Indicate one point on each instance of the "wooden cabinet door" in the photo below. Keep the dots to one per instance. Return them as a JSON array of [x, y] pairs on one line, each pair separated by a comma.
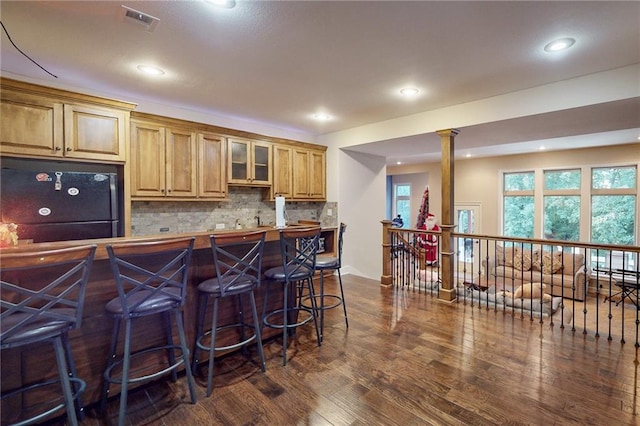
[[212, 176], [282, 171], [94, 133], [147, 160], [31, 125], [261, 170], [317, 175], [238, 161], [301, 173], [180, 157], [249, 162]]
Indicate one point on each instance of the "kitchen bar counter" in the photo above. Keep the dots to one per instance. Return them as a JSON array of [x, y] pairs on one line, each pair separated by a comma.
[[90, 343]]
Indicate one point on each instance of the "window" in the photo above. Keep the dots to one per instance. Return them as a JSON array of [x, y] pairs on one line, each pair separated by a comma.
[[518, 204], [613, 214], [562, 205], [592, 204], [402, 202]]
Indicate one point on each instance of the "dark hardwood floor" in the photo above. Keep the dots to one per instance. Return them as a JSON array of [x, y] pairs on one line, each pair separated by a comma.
[[408, 359]]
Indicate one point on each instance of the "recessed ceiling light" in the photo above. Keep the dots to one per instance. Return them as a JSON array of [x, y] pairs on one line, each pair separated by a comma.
[[409, 92], [542, 148], [151, 70], [227, 4], [399, 163], [468, 155], [560, 44], [321, 116]]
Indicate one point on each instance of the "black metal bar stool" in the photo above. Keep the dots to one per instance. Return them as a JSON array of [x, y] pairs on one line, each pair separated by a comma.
[[237, 259], [329, 301], [42, 298], [151, 278], [299, 248]]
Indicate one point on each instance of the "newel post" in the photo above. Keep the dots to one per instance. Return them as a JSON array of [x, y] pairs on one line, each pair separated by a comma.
[[447, 291], [385, 279]]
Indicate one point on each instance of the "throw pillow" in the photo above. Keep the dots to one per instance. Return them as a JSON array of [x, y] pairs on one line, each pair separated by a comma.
[[547, 263], [506, 256], [522, 260]]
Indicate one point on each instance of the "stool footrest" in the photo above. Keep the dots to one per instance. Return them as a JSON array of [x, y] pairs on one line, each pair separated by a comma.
[[298, 323], [337, 301], [45, 414], [249, 339], [179, 362]]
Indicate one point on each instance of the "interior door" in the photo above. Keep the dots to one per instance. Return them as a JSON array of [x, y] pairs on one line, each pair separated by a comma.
[[468, 221]]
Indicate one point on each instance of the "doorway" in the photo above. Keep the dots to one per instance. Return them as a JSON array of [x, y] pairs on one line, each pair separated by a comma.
[[468, 217]]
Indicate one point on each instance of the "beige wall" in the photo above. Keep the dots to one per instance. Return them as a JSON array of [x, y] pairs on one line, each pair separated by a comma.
[[478, 180]]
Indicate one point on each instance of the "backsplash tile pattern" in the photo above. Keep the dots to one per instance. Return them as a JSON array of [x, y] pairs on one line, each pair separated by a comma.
[[242, 208]]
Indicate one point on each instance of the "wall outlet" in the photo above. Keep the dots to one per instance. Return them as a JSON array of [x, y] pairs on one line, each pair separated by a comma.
[[219, 225], [164, 229], [329, 212]]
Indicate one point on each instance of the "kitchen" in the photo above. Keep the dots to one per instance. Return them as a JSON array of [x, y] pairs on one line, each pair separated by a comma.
[[69, 184]]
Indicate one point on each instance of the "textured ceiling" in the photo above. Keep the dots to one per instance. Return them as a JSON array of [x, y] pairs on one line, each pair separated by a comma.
[[278, 62]]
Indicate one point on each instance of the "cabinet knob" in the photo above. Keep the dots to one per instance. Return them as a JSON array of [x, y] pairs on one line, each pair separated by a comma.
[[68, 148], [57, 148]]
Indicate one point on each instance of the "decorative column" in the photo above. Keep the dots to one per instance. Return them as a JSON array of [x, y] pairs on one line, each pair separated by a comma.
[[447, 291], [386, 279]]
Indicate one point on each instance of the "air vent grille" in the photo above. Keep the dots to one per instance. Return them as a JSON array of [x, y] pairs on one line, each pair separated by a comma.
[[132, 15]]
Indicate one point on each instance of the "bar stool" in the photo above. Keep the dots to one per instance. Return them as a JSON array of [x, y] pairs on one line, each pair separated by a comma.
[[298, 248], [42, 298], [151, 278], [331, 263], [237, 259]]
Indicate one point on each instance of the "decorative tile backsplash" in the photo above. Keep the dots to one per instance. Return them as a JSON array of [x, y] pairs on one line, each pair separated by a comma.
[[242, 209]]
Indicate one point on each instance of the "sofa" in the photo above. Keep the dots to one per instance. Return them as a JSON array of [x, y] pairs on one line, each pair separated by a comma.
[[564, 273]]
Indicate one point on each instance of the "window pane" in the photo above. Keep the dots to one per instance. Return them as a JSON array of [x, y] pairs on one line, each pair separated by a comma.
[[403, 208], [519, 181], [613, 219], [614, 177], [518, 216], [562, 179], [562, 218], [403, 190]]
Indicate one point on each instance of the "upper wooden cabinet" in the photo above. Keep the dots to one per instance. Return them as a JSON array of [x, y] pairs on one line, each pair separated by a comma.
[[163, 161], [282, 171], [299, 173], [212, 176], [309, 174], [42, 122], [249, 162]]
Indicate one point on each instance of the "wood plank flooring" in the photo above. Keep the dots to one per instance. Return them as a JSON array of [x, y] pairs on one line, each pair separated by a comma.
[[408, 359]]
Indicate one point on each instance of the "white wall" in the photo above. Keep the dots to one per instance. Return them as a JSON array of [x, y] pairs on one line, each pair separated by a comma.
[[478, 180], [361, 201]]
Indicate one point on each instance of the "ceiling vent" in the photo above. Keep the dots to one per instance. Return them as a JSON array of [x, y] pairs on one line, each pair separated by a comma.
[[135, 16]]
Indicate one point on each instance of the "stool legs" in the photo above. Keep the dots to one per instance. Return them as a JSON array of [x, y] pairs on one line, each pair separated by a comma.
[[126, 361], [214, 330], [61, 359]]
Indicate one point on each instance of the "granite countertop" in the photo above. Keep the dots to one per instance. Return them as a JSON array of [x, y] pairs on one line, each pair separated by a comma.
[[202, 240]]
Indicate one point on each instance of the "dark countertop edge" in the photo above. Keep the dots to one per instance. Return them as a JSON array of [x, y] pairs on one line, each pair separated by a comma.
[[202, 240]]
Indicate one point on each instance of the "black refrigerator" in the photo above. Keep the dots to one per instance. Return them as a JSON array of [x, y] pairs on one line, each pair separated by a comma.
[[59, 206]]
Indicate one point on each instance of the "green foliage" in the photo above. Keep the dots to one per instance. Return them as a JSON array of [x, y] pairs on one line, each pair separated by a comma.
[[562, 218], [518, 216]]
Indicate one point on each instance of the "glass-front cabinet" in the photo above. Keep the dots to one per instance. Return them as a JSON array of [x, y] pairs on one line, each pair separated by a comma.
[[249, 162]]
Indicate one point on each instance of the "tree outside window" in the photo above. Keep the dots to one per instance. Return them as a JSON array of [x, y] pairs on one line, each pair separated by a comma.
[[613, 215], [518, 204], [562, 205], [402, 202]]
